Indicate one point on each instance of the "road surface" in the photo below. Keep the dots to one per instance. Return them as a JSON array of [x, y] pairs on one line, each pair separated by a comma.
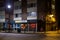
[[14, 36]]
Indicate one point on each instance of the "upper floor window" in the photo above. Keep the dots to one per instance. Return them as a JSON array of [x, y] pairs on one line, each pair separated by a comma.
[[2, 16], [16, 15], [31, 5], [33, 14], [2, 8], [17, 7]]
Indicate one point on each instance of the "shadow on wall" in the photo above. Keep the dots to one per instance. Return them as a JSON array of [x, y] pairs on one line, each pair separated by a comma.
[[41, 25]]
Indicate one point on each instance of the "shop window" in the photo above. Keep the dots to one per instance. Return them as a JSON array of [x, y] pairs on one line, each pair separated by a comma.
[[32, 25]]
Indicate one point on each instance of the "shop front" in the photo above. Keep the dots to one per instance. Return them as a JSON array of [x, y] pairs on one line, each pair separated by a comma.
[[51, 24], [22, 25], [32, 25]]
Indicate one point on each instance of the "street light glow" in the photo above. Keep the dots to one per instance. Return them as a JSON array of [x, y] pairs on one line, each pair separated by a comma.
[[9, 6], [51, 15]]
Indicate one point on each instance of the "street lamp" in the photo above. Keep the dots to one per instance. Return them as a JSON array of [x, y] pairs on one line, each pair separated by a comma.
[[9, 11], [9, 6], [51, 15]]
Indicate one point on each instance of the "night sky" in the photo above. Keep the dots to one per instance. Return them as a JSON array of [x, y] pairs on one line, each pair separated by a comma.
[[2, 2]]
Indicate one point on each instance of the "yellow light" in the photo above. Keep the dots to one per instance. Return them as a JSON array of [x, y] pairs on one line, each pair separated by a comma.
[[53, 20], [51, 15]]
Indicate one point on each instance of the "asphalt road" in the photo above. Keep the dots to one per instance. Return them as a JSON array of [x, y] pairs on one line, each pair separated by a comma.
[[13, 36]]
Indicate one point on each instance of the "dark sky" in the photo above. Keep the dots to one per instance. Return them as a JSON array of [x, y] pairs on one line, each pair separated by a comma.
[[2, 2]]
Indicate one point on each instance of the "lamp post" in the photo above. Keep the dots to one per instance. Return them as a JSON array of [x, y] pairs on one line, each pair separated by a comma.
[[9, 24], [9, 4]]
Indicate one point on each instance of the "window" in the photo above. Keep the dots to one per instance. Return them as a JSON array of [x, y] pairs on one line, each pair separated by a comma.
[[31, 5], [16, 15], [32, 14], [2, 17], [29, 14], [18, 7]]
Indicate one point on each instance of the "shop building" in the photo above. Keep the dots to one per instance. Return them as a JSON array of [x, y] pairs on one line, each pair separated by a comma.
[[37, 15]]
